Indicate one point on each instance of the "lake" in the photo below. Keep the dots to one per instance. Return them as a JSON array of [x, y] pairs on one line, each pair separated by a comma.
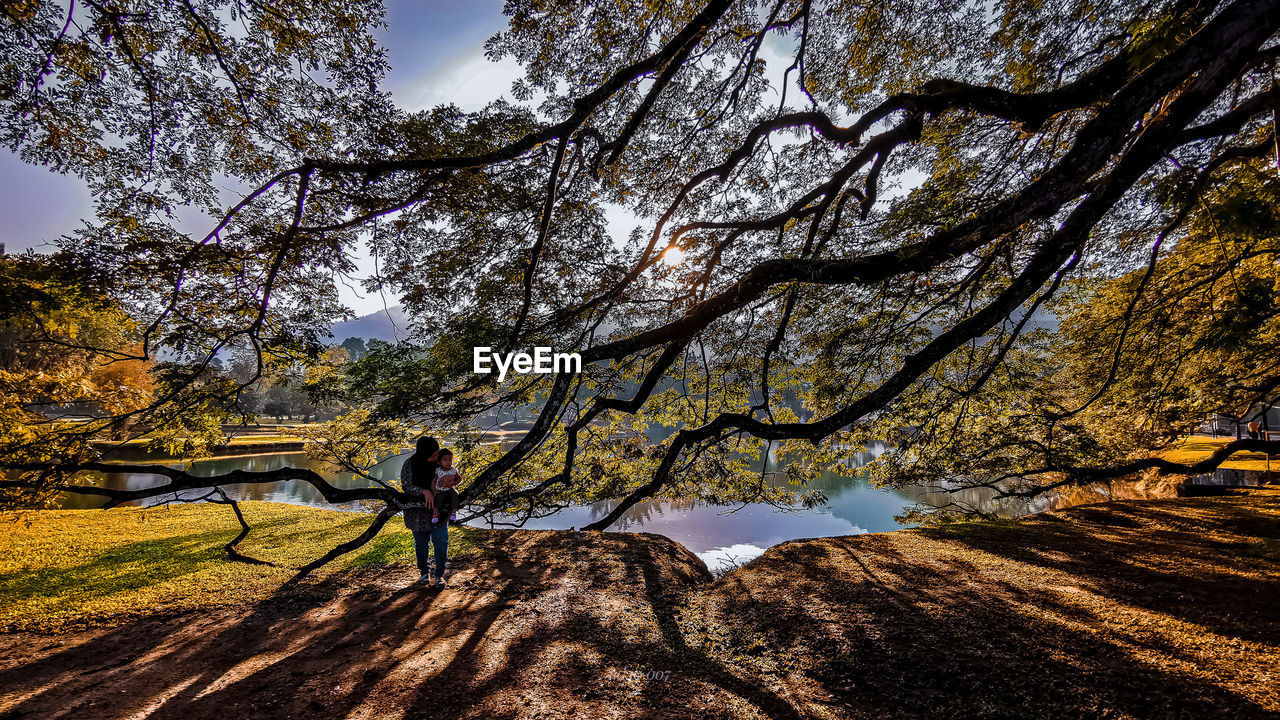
[[721, 536]]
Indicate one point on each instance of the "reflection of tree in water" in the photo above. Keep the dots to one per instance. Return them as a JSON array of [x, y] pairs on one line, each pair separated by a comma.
[[290, 492], [832, 484], [837, 484], [849, 495], [983, 499], [639, 513], [980, 499]]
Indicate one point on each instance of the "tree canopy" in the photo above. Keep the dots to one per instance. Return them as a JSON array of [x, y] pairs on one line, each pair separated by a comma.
[[854, 220]]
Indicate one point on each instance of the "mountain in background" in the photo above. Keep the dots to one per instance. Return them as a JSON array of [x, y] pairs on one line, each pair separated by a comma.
[[382, 325]]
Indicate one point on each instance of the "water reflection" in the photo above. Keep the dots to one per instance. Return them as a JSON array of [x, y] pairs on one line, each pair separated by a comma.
[[719, 535], [298, 493], [724, 536]]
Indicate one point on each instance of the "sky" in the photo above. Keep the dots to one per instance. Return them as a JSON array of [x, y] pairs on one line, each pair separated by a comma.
[[436, 53]]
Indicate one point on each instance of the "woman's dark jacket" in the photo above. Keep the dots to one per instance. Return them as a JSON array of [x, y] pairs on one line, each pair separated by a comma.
[[417, 518]]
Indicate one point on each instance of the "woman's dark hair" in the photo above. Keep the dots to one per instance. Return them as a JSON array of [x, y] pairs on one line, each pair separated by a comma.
[[421, 466]]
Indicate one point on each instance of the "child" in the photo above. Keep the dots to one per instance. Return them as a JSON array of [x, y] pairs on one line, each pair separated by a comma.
[[446, 496]]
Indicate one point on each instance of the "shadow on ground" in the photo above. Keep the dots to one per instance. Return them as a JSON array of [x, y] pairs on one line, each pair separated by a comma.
[[1133, 609]]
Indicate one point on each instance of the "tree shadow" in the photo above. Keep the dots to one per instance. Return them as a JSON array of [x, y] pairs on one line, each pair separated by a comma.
[[1209, 563], [1026, 620], [988, 621], [573, 636], [186, 665]]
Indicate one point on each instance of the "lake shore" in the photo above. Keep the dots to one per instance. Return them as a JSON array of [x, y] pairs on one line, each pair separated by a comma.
[[1129, 609], [139, 449]]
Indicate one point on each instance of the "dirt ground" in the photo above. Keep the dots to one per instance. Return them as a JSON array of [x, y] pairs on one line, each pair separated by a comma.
[[1142, 609]]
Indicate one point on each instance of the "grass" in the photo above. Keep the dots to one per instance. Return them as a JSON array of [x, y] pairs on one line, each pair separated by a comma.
[[1194, 449], [61, 569], [263, 439], [238, 440]]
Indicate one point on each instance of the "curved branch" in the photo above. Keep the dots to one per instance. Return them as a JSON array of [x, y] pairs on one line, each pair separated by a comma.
[[1085, 476], [544, 227], [375, 527], [233, 551], [1160, 133], [180, 480]]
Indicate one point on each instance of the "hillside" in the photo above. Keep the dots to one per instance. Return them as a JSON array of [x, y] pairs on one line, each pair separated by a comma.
[[387, 325]]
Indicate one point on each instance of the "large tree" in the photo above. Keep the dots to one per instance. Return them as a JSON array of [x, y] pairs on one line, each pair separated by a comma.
[[851, 216]]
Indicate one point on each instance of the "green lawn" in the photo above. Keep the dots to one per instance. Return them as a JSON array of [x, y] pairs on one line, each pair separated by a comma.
[[237, 441], [65, 568], [1194, 449]]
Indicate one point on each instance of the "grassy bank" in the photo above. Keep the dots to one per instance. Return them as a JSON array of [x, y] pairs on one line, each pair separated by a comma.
[[69, 568], [1194, 449], [238, 445]]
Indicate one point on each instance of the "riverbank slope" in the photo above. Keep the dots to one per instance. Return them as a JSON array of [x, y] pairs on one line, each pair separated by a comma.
[[1127, 609]]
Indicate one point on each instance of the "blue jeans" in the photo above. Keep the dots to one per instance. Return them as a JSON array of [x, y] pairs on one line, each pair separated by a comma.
[[439, 536]]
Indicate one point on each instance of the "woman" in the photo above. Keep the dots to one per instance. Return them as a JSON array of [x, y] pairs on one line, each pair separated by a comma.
[[415, 478]]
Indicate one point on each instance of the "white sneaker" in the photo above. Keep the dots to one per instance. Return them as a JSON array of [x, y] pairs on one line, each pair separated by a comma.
[[440, 581]]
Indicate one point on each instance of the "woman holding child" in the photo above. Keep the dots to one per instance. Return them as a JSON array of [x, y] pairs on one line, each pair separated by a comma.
[[418, 476]]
